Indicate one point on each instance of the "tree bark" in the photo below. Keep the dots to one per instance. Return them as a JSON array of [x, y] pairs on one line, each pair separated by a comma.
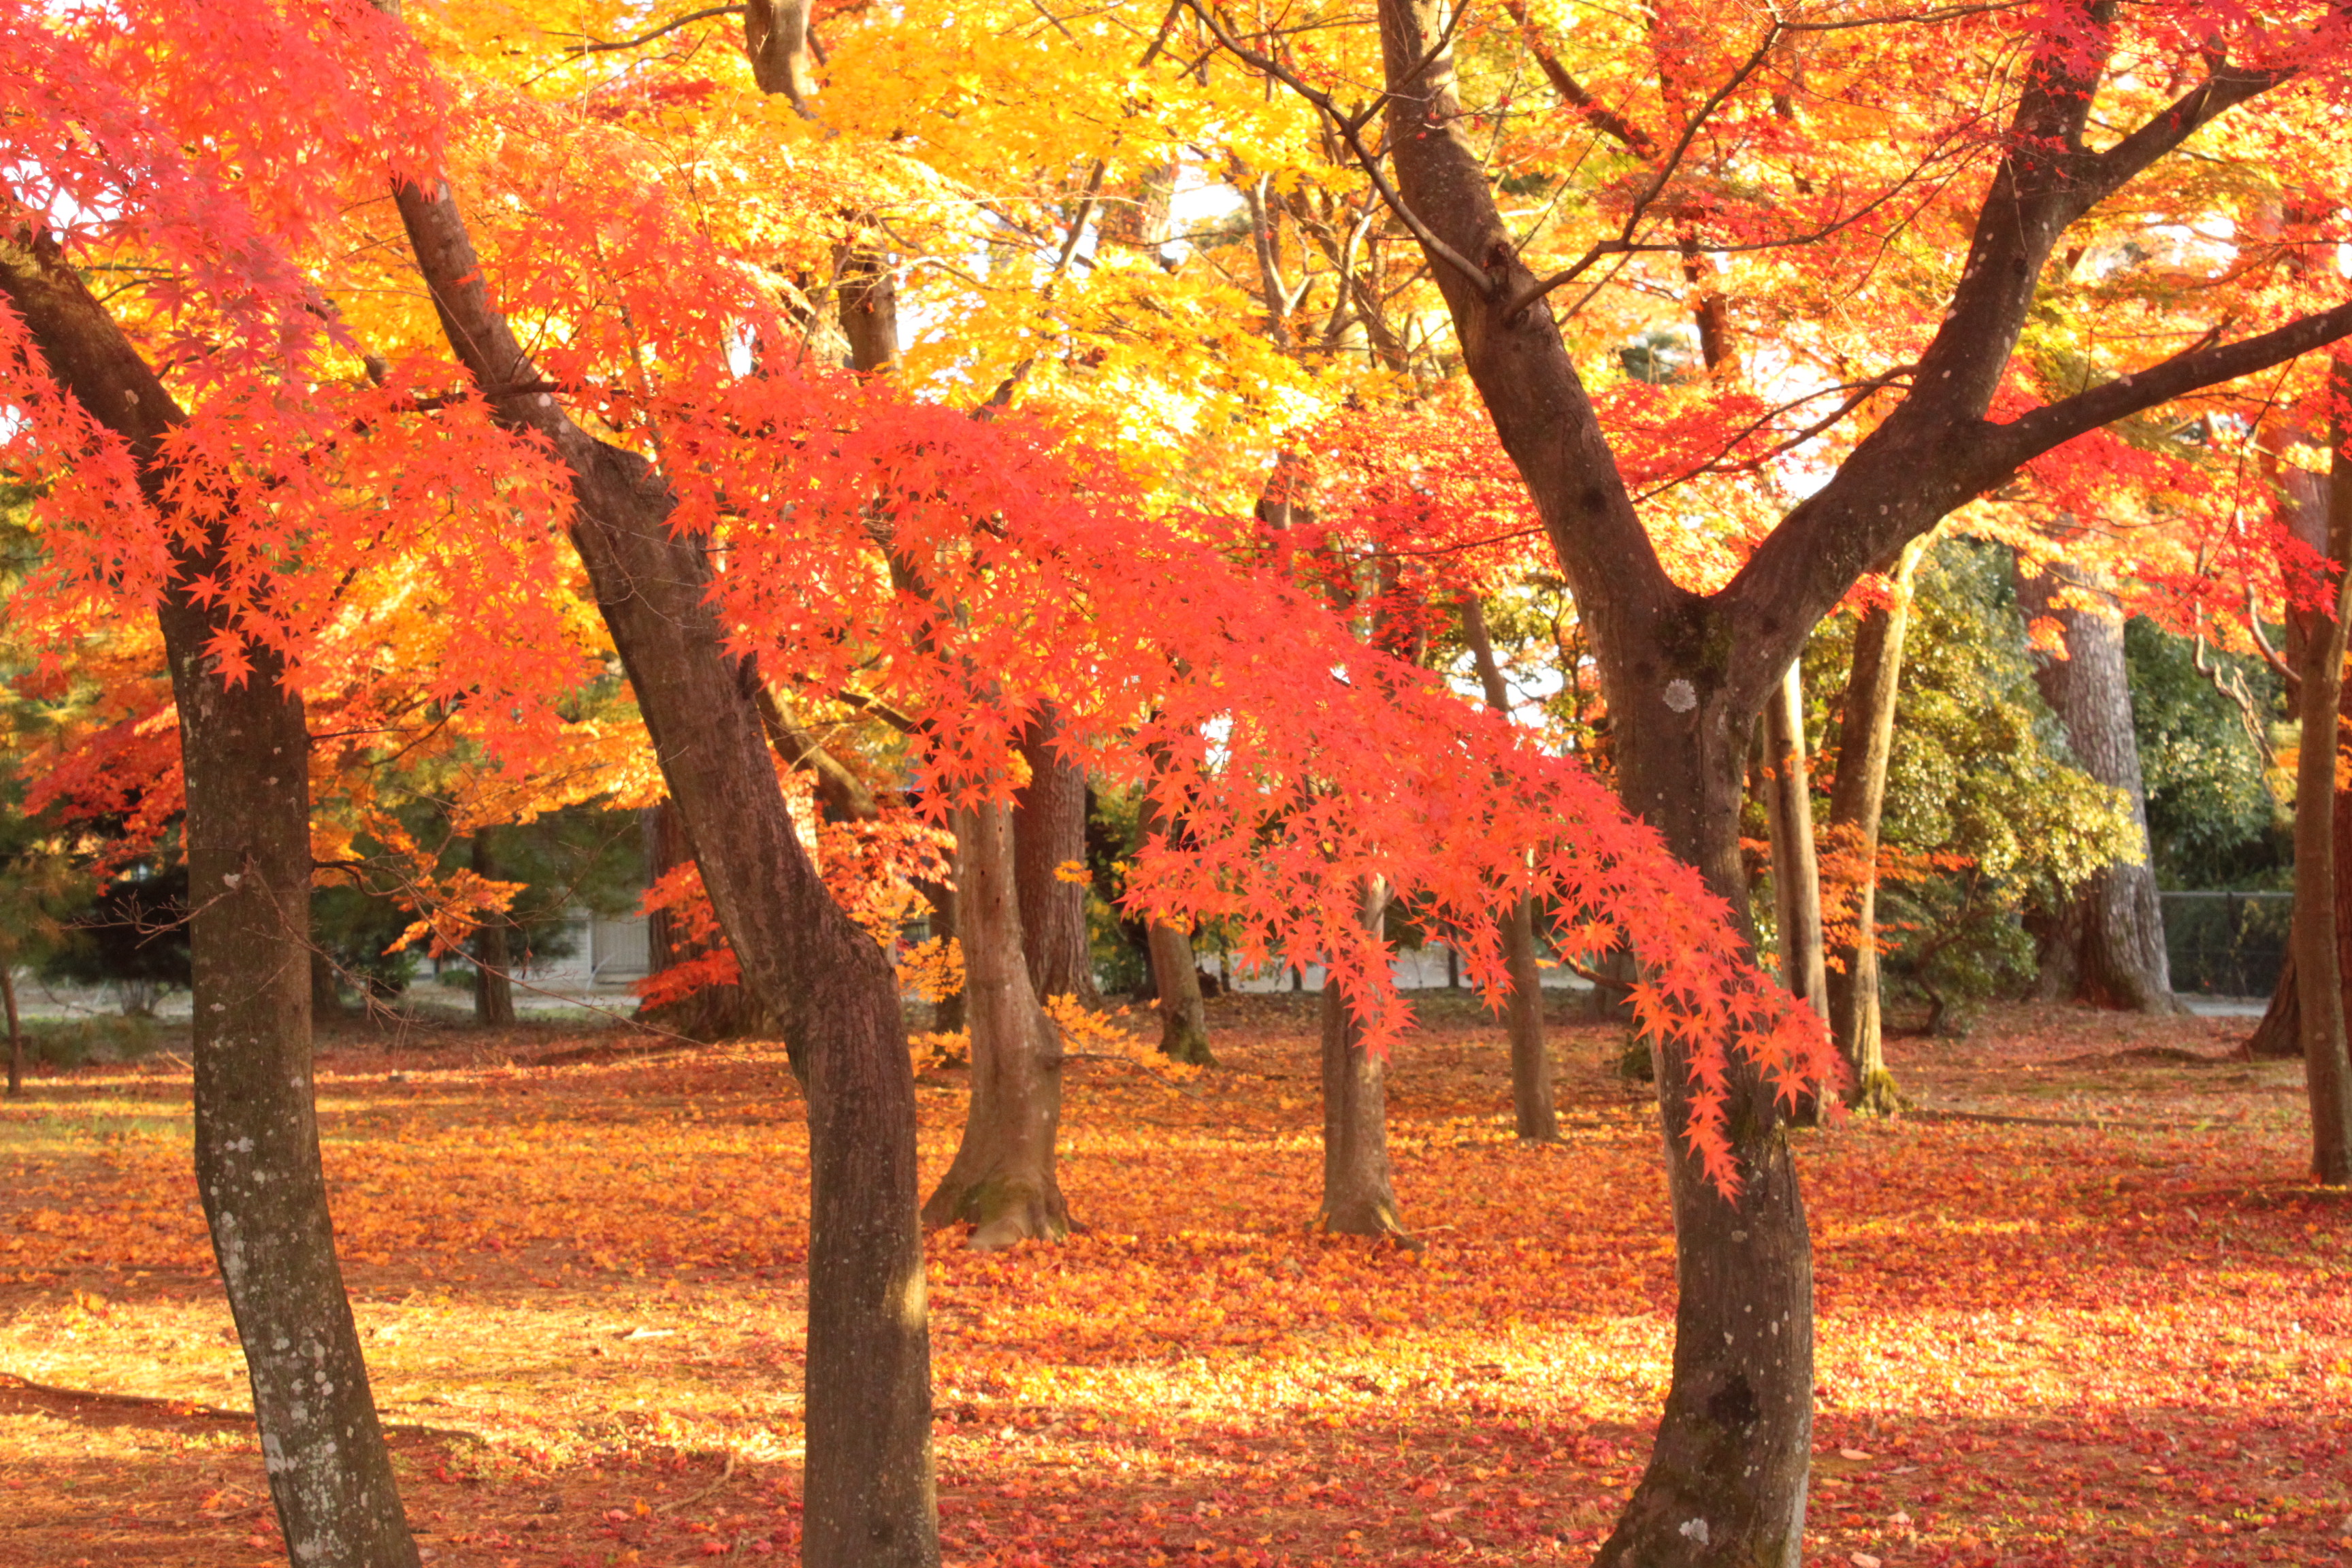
[[1796, 865], [1857, 803], [2112, 934], [1003, 1179], [493, 954], [1534, 1114], [16, 1033], [713, 1012], [1049, 831], [245, 755], [2317, 941], [1175, 974], [869, 1498], [1358, 1196]]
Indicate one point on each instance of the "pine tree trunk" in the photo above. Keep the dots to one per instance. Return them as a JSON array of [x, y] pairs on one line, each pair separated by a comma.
[[2317, 941], [1796, 867], [867, 1497], [493, 954], [1003, 1180], [1534, 1112], [1049, 831], [244, 755], [1857, 801], [2113, 932], [1358, 1196]]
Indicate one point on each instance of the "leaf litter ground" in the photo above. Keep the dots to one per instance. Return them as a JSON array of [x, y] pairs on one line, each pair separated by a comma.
[[2078, 1307]]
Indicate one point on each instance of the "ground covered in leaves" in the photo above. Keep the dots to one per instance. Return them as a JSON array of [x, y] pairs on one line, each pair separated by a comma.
[[2078, 1307]]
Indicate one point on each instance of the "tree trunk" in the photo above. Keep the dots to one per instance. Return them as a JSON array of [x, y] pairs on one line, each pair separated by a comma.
[[493, 954], [1533, 1111], [1796, 867], [2113, 932], [1857, 801], [2317, 941], [1358, 1197], [1003, 1179], [1727, 1477], [868, 1496], [1175, 974], [1049, 831], [325, 989], [713, 1012], [16, 1033], [244, 753]]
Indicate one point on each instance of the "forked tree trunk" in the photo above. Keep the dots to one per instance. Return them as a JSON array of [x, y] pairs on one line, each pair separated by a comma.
[[868, 1496], [1534, 1114], [244, 753], [1796, 865], [1049, 832], [1003, 1180], [2110, 938], [1359, 1194], [1857, 804], [493, 953], [2317, 941]]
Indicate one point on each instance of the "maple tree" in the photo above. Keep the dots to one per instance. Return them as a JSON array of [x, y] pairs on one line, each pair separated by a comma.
[[1686, 671]]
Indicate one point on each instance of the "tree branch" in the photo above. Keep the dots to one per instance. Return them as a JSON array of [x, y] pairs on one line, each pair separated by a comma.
[[598, 46]]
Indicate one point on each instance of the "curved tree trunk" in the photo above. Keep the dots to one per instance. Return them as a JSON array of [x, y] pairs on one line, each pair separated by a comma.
[[1796, 867], [1358, 1196], [1049, 831], [868, 1496], [1534, 1114], [2112, 935], [1003, 1179], [493, 954], [2317, 941], [1857, 801], [244, 753]]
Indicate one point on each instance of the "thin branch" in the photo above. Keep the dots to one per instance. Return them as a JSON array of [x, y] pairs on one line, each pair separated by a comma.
[[599, 46], [1352, 134]]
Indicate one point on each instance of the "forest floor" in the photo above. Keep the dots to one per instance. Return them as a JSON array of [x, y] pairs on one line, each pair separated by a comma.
[[2079, 1306]]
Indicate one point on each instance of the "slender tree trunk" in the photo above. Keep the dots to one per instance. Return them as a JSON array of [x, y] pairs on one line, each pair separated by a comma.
[[325, 989], [1857, 801], [869, 1498], [1358, 1196], [493, 954], [16, 1033], [2114, 930], [711, 1013], [245, 755], [1175, 972], [1533, 1109], [2319, 973], [1796, 868], [1003, 1179], [1049, 831]]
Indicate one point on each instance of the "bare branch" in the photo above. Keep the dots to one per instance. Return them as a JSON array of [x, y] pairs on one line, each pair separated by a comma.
[[1353, 133], [599, 46]]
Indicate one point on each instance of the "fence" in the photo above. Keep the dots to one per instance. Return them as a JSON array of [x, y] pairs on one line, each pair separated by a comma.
[[2227, 944]]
